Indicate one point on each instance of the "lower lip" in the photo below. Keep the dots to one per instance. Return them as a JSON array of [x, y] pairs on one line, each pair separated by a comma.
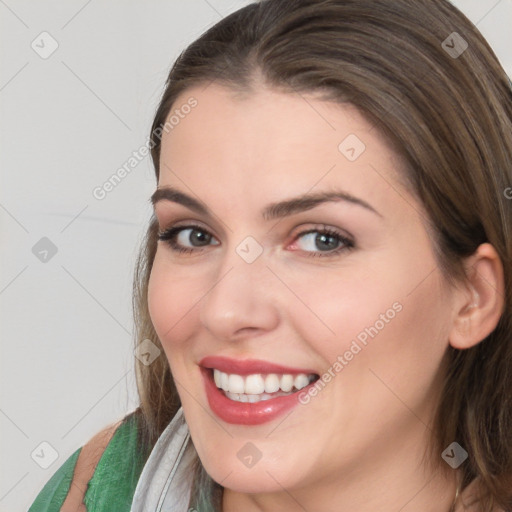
[[245, 413]]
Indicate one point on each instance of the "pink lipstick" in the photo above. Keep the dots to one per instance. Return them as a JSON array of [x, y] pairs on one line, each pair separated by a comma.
[[273, 388]]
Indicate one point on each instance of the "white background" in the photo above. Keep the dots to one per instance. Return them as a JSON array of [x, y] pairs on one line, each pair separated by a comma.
[[68, 123]]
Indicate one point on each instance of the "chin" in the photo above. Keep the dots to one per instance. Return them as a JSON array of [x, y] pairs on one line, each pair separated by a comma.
[[248, 481], [265, 476]]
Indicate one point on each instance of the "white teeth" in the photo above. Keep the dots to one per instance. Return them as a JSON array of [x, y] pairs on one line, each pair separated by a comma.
[[286, 382], [217, 378], [240, 397], [256, 387], [271, 383], [254, 384], [235, 384], [224, 381], [301, 381]]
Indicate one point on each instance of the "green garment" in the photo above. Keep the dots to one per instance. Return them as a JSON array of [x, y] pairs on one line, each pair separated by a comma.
[[112, 486]]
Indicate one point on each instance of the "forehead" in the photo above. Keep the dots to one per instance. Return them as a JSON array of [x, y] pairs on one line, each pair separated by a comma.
[[273, 141], [223, 117]]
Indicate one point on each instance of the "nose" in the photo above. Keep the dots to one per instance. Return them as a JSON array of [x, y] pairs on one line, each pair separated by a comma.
[[241, 299]]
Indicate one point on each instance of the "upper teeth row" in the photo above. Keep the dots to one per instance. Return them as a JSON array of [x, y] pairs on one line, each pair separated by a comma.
[[258, 383]]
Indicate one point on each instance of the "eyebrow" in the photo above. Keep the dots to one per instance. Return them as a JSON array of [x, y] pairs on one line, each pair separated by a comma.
[[272, 211]]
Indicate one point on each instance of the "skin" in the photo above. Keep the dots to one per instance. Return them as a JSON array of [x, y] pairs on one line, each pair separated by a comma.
[[357, 445]]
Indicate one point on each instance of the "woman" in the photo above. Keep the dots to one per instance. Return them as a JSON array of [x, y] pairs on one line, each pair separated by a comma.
[[324, 294]]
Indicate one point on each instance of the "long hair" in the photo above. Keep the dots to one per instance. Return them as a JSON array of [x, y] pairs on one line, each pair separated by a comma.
[[425, 77]]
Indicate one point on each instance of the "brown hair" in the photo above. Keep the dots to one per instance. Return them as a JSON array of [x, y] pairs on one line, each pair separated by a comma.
[[449, 117]]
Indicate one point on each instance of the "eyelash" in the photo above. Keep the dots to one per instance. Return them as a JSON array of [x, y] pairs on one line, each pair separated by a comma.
[[169, 237]]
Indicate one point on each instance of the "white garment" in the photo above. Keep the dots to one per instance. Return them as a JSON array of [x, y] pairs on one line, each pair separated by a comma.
[[164, 485]]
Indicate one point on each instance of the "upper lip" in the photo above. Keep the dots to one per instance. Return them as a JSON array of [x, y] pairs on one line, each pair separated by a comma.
[[249, 366]]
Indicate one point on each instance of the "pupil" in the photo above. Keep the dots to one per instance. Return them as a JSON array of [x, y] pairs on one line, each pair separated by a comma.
[[321, 240], [199, 236]]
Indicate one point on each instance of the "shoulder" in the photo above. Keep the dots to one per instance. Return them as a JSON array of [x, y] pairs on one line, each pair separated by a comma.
[[116, 475], [70, 486], [88, 459]]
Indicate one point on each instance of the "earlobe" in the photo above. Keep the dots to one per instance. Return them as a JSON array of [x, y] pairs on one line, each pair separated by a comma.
[[480, 304]]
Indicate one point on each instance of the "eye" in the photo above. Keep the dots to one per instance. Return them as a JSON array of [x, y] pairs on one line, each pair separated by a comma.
[[324, 242], [178, 236]]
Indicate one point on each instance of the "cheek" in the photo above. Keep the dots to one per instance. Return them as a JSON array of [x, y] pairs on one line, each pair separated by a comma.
[[339, 307], [394, 316], [402, 351], [170, 300]]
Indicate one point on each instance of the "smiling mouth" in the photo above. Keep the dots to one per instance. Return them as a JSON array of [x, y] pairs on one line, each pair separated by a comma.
[[258, 387]]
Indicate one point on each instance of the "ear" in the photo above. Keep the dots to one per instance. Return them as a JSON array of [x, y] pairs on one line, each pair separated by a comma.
[[481, 302]]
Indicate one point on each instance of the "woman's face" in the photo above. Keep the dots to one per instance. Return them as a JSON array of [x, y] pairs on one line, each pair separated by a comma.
[[363, 305]]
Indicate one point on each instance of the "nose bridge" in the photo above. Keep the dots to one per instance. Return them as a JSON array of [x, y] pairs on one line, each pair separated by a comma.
[[239, 297]]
